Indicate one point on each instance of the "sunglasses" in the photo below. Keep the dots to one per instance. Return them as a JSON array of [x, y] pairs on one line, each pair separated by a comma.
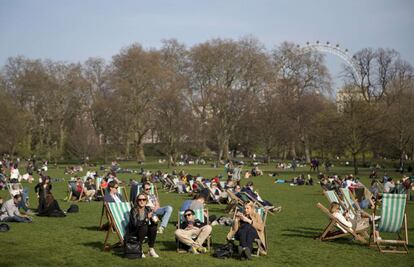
[[115, 187], [147, 189], [188, 214], [142, 199]]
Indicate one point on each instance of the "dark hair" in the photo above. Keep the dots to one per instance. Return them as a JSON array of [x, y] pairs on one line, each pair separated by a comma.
[[17, 196], [111, 184], [189, 210], [249, 183], [147, 184]]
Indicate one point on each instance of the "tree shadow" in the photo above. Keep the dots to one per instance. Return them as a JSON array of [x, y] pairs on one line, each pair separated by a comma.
[[97, 245]]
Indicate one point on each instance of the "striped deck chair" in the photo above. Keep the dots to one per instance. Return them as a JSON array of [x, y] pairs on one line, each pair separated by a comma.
[[393, 220], [17, 186], [332, 196], [335, 229], [104, 212], [261, 248], [234, 202], [199, 214], [349, 200], [118, 215]]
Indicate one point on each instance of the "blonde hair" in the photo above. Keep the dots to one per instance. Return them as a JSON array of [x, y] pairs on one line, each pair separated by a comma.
[[334, 207]]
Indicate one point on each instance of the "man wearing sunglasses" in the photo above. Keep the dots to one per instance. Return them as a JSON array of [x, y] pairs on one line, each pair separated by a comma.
[[190, 228], [154, 204]]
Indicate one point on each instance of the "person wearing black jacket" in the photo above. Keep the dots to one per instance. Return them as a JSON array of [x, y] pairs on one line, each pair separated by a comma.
[[142, 222], [42, 189], [193, 227], [51, 208]]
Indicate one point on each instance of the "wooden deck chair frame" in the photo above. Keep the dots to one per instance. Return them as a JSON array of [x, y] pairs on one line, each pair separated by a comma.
[[263, 214], [341, 229], [199, 215], [402, 240], [114, 222]]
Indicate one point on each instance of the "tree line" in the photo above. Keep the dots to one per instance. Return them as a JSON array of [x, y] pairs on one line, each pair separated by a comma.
[[215, 98]]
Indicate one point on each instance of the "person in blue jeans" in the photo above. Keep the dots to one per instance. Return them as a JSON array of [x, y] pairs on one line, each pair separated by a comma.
[[154, 204]]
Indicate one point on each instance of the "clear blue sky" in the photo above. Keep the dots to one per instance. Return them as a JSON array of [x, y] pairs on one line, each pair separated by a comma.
[[73, 30]]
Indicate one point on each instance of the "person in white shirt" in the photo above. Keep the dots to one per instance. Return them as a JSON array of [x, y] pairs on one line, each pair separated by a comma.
[[10, 212], [355, 223]]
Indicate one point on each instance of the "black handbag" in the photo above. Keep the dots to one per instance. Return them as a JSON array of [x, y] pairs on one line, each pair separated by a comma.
[[132, 247]]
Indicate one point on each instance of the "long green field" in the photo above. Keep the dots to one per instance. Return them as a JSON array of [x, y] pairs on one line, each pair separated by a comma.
[[75, 241]]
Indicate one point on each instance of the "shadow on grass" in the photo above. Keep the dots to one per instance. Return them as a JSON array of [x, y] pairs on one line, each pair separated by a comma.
[[168, 245], [90, 228], [97, 245], [306, 232]]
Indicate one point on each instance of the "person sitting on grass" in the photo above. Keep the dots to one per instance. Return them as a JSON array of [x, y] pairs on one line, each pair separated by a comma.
[[51, 208], [154, 204], [10, 211], [42, 189], [247, 226], [142, 224], [193, 227]]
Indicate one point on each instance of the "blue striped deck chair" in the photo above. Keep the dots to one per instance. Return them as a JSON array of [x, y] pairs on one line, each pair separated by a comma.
[[393, 220], [199, 214], [118, 215]]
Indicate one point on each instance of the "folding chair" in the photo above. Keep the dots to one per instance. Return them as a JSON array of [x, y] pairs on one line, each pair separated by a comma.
[[199, 214], [234, 202], [71, 190], [335, 229], [118, 216], [124, 198], [263, 215], [332, 196], [393, 220]]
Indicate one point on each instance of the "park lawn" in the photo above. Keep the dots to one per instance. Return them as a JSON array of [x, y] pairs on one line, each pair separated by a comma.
[[75, 241]]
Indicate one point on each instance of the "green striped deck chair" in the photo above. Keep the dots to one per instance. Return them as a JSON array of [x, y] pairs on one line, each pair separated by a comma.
[[98, 182], [333, 197], [118, 214], [335, 229], [153, 189], [349, 200], [124, 198], [393, 220], [199, 214]]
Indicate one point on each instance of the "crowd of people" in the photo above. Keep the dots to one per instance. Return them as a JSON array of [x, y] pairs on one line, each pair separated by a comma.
[[148, 217]]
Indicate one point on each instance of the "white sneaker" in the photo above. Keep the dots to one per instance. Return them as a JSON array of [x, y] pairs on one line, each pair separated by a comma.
[[152, 253], [143, 255], [160, 230]]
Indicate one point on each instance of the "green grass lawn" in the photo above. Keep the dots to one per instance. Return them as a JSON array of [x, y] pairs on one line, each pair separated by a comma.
[[75, 241]]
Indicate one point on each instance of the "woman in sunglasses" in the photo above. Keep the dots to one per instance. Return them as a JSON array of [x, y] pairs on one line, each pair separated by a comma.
[[141, 224]]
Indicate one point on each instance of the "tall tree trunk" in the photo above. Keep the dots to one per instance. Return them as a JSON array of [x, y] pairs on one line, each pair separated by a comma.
[[293, 149], [354, 159], [226, 149]]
